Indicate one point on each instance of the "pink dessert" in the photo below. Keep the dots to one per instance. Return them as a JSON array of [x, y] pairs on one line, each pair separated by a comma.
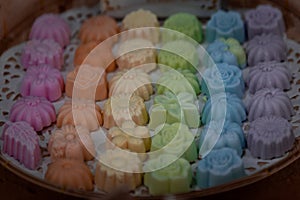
[[43, 81], [37, 111], [22, 143], [37, 52], [51, 26]]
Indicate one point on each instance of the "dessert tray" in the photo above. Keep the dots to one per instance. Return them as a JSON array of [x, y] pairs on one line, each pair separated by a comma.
[[10, 79]]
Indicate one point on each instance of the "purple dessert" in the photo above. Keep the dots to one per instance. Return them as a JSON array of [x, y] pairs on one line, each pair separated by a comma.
[[270, 74], [270, 137], [268, 102], [265, 47], [264, 19], [37, 52]]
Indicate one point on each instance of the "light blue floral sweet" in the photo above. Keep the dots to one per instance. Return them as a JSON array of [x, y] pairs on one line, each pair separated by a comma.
[[220, 166], [232, 136], [225, 24], [224, 106], [223, 77]]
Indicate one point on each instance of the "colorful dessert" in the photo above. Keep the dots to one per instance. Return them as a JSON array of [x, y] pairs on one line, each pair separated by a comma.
[[226, 25], [132, 82], [43, 81], [269, 101], [217, 135], [264, 19], [51, 26], [118, 168], [36, 52], [219, 167], [177, 81], [168, 179], [170, 108], [136, 52], [95, 54], [270, 137], [36, 111], [185, 23], [224, 106], [227, 51], [71, 143], [87, 82], [141, 24], [120, 108], [265, 47], [223, 78], [22, 143], [130, 136], [175, 139], [270, 74], [79, 112], [178, 54], [70, 174], [98, 28]]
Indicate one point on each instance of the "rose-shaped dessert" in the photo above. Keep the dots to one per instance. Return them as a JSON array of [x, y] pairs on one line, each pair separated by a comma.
[[22, 142], [129, 136], [170, 108], [72, 143], [173, 179], [132, 82], [270, 137], [116, 168], [265, 47], [269, 101], [37, 111], [178, 54], [264, 19], [223, 78], [224, 106], [227, 51], [219, 167], [43, 81], [225, 24], [232, 136], [177, 81], [175, 139], [120, 108], [270, 74]]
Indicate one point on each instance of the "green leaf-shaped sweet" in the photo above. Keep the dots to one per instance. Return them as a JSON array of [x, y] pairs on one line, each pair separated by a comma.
[[236, 49]]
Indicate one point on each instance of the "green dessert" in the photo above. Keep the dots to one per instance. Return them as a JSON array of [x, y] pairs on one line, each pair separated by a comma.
[[170, 108], [172, 179], [185, 23], [179, 54]]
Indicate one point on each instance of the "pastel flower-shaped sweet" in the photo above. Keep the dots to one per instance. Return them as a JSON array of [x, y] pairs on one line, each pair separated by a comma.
[[219, 167], [264, 19], [43, 81], [37, 52], [118, 168], [178, 54], [223, 78], [173, 179], [71, 143], [175, 139], [224, 106], [270, 137], [225, 24], [177, 81], [217, 135], [227, 51], [170, 108], [270, 74], [265, 47], [51, 26], [130, 136]]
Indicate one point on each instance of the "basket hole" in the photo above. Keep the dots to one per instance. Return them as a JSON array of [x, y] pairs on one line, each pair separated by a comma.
[[17, 97], [71, 18], [6, 81], [262, 163], [17, 67], [1, 123], [4, 113], [296, 108], [7, 66], [9, 95], [5, 89], [6, 73], [291, 60], [290, 51], [15, 76], [12, 59], [297, 55], [250, 169]]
